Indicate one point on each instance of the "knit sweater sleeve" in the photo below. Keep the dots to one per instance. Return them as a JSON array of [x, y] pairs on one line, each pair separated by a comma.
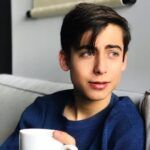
[[131, 139]]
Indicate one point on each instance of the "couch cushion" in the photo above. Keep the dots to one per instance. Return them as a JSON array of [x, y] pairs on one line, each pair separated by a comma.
[[33, 85], [12, 102]]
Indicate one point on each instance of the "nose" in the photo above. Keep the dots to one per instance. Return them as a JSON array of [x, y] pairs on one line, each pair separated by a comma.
[[100, 66]]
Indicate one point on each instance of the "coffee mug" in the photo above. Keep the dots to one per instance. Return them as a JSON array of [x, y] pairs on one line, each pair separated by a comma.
[[40, 139]]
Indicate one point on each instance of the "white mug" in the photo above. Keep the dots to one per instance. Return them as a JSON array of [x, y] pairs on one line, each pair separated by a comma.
[[40, 139]]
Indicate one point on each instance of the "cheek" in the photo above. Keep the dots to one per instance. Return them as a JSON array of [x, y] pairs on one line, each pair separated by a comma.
[[75, 74], [116, 71], [80, 68], [79, 73]]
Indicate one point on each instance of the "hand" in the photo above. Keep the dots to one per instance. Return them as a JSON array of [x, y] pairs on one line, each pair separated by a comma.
[[64, 137]]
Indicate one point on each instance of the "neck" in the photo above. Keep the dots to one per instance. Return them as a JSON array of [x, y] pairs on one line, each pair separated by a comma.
[[83, 109]]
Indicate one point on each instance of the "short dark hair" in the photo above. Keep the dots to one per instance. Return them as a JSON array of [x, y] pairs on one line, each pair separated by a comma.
[[89, 16]]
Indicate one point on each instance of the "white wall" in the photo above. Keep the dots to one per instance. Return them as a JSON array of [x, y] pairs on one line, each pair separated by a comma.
[[36, 45]]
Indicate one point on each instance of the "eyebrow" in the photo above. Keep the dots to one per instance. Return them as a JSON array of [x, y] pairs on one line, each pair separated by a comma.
[[113, 46], [88, 46]]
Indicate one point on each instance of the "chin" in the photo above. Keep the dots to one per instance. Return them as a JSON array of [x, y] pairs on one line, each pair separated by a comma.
[[98, 96]]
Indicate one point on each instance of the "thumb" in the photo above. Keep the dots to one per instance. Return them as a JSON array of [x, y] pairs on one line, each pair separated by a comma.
[[64, 137]]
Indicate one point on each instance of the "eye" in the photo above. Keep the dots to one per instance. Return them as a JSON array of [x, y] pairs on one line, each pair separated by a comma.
[[87, 53], [114, 54]]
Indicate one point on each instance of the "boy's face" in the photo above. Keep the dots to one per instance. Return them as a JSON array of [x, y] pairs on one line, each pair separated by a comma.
[[96, 71]]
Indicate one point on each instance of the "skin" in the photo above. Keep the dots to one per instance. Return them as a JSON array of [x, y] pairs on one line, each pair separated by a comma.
[[95, 72], [64, 138]]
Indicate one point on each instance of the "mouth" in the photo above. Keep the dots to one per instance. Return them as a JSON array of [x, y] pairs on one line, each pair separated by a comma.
[[98, 85]]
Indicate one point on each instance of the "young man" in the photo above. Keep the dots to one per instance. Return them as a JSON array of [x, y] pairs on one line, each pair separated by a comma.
[[94, 49]]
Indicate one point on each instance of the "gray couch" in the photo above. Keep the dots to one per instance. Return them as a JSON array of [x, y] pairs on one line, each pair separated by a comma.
[[16, 93]]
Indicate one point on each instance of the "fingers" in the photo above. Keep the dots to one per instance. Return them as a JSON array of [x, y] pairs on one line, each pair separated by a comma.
[[64, 137]]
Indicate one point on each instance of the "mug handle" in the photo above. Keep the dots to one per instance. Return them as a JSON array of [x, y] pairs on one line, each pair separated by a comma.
[[70, 147]]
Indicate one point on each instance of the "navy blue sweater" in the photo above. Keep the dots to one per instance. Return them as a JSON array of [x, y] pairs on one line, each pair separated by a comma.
[[117, 127]]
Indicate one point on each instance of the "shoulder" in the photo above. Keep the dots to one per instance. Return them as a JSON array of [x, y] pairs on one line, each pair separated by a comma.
[[43, 108], [59, 97], [124, 115], [55, 101], [124, 125], [126, 109]]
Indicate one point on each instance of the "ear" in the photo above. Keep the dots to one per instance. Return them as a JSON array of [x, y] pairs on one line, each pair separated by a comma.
[[63, 61], [124, 65]]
